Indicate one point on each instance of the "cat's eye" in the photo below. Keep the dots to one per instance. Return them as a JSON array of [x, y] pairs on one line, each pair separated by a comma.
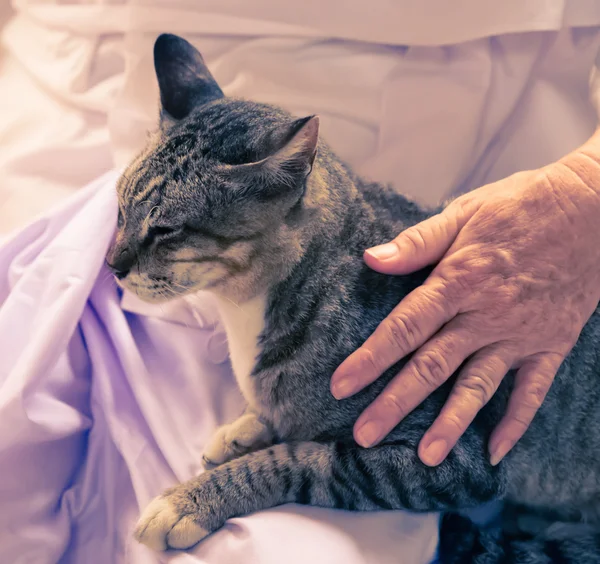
[[158, 231]]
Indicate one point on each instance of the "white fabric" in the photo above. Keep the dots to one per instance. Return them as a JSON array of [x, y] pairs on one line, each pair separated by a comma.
[[431, 120], [55, 93], [400, 100], [396, 22]]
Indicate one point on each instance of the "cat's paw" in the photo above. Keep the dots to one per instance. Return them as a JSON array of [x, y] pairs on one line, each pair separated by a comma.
[[163, 526], [218, 450], [244, 435]]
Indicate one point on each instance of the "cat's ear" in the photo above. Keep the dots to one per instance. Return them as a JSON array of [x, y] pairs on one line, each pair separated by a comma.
[[289, 151], [183, 78], [294, 147]]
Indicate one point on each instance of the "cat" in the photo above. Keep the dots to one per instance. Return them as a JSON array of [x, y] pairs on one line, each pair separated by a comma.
[[243, 200]]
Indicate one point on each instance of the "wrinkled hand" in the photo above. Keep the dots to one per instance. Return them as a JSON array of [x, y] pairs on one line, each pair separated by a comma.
[[518, 277]]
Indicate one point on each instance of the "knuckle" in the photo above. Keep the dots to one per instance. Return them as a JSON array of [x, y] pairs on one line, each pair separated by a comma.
[[457, 284], [431, 368], [450, 344], [401, 332], [412, 237], [549, 367], [477, 383], [535, 395], [369, 363], [527, 405], [461, 206], [498, 261]]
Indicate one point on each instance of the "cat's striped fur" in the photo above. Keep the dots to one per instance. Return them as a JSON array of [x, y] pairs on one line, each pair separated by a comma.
[[234, 197]]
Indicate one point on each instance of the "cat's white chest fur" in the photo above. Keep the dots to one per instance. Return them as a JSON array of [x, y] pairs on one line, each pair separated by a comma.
[[243, 325]]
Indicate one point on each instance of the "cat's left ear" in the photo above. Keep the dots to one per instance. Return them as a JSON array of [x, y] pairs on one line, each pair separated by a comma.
[[183, 78], [296, 146], [290, 153]]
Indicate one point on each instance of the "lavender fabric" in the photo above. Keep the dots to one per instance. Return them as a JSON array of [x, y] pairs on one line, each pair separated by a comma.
[[105, 401]]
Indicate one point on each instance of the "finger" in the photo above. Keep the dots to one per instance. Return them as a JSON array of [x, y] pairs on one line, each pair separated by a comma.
[[420, 245], [418, 316], [532, 382], [475, 385], [428, 369]]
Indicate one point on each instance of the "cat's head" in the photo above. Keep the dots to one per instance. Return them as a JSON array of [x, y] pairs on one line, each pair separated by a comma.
[[216, 200]]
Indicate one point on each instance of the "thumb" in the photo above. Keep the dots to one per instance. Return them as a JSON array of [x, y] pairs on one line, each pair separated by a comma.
[[418, 246]]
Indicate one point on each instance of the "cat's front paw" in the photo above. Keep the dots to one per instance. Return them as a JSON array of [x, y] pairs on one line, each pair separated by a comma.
[[219, 450], [244, 435], [163, 526]]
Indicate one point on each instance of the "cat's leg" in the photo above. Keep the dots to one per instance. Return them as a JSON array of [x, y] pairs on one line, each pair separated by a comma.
[[246, 434], [335, 475]]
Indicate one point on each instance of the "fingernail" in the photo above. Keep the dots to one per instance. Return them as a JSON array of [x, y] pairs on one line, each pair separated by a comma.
[[384, 252], [435, 452], [343, 388], [500, 452], [368, 434]]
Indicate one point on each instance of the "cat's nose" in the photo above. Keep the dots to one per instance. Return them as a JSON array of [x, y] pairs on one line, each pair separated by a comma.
[[119, 269], [120, 262], [120, 274]]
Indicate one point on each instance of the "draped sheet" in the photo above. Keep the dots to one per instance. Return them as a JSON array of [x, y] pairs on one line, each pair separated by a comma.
[[105, 401]]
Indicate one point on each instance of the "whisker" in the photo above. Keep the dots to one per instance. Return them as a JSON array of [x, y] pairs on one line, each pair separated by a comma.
[[147, 219], [173, 292], [176, 284], [160, 305], [229, 300], [105, 276]]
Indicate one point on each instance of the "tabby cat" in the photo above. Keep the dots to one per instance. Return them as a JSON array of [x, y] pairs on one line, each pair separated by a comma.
[[242, 200]]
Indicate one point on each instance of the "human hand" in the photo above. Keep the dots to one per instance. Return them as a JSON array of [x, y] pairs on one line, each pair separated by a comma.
[[518, 277]]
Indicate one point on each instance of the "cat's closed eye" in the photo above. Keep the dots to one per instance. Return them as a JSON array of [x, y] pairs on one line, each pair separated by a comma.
[[157, 232]]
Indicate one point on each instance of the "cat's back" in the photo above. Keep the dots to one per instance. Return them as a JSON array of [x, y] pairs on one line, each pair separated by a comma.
[[392, 207], [575, 393]]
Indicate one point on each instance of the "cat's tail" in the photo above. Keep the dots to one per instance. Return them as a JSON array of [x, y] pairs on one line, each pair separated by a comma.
[[464, 542]]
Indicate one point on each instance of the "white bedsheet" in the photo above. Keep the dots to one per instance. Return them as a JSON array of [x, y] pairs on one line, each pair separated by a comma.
[[77, 91], [77, 94]]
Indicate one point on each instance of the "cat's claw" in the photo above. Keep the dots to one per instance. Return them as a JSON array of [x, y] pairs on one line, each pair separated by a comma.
[[208, 464], [162, 527]]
